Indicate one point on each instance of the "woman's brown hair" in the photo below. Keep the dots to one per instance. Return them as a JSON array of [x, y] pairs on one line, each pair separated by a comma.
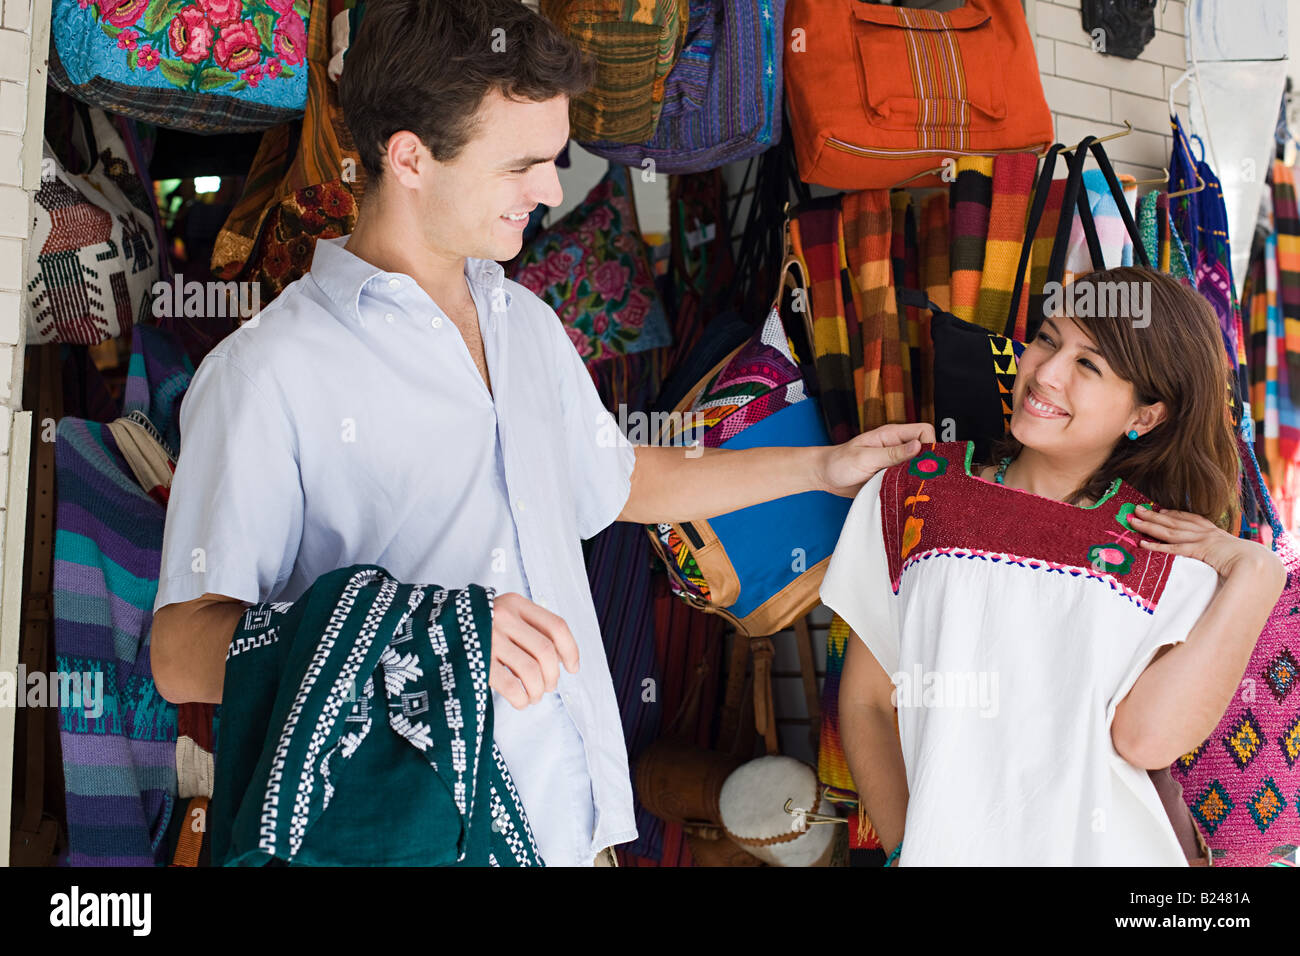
[[425, 66], [1175, 354]]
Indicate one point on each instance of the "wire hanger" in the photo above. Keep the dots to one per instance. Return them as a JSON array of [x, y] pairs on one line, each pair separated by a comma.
[[1128, 128], [1200, 183]]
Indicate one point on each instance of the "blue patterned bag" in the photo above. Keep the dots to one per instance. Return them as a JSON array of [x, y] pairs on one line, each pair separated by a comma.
[[722, 100], [207, 66]]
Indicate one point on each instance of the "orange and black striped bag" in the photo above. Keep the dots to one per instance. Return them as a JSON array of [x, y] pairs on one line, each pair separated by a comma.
[[878, 94]]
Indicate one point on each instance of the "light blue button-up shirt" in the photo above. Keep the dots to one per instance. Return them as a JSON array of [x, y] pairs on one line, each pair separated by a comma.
[[347, 423]]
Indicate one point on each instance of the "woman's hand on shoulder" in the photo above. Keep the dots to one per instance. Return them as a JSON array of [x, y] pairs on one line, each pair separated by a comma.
[[849, 466], [1194, 536]]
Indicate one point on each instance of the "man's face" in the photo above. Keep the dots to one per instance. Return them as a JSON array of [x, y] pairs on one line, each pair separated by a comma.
[[506, 170]]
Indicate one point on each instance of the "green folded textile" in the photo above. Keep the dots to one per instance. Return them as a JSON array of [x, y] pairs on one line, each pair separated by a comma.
[[357, 731]]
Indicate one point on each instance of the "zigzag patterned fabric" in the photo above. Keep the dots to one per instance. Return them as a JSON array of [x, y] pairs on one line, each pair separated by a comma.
[[339, 746]]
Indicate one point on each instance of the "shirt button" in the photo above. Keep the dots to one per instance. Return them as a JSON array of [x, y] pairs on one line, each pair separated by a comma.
[[394, 284], [436, 321], [388, 316], [544, 603], [519, 503]]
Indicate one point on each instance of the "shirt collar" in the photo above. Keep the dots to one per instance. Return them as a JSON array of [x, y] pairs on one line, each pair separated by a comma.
[[341, 275]]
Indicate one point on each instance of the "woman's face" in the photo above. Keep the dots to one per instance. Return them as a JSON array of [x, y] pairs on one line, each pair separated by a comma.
[[1090, 406]]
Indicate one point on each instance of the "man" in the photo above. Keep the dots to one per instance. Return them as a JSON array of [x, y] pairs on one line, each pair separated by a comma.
[[405, 405]]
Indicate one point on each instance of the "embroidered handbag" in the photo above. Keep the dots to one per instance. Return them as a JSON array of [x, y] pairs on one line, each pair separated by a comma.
[[759, 567], [208, 66], [635, 43], [593, 269], [880, 93], [1243, 783], [92, 255], [722, 100]]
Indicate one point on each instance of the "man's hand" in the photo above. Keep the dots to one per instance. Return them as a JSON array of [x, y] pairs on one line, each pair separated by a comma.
[[528, 644], [846, 468]]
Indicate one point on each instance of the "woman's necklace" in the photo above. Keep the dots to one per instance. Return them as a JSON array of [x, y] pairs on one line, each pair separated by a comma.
[[1002, 471]]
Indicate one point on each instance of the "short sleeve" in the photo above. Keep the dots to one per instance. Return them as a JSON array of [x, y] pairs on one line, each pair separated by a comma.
[[1188, 592], [235, 510], [857, 585], [601, 458]]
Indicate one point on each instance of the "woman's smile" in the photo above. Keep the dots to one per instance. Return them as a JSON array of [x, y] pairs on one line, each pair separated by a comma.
[[1035, 406]]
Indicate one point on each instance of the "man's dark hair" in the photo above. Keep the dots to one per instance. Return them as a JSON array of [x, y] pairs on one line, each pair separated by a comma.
[[426, 65]]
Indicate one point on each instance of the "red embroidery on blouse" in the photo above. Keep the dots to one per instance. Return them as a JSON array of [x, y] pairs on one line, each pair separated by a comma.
[[931, 507]]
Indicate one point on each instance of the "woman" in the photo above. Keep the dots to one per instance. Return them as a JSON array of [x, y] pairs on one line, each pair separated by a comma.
[[1046, 634]]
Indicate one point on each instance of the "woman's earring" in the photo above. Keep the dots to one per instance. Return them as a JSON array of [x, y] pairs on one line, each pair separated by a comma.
[[1132, 434]]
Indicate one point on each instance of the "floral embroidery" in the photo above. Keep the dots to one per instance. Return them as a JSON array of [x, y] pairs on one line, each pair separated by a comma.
[[207, 45]]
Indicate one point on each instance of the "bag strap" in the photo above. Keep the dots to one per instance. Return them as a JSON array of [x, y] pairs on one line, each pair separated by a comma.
[[1117, 192], [1036, 208], [87, 124]]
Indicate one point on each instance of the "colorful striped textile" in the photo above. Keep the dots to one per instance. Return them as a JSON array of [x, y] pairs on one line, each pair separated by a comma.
[[635, 44], [1202, 220], [867, 234], [1164, 247], [1013, 183], [815, 237], [970, 201], [119, 764], [935, 276], [1286, 224], [722, 100]]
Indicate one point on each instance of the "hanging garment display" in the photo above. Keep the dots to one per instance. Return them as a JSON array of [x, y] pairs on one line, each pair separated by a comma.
[[739, 564], [592, 268], [1116, 243], [207, 67], [1013, 181], [635, 44], [722, 100], [92, 256], [1164, 247], [914, 340], [1120, 27], [1202, 221], [338, 744], [1243, 783], [928, 86], [119, 755], [295, 196]]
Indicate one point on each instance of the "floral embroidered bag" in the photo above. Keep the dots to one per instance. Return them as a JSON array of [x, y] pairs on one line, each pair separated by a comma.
[[206, 66], [593, 269]]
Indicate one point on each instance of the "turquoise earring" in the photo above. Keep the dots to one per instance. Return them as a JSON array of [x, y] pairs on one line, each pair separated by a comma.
[[1132, 434]]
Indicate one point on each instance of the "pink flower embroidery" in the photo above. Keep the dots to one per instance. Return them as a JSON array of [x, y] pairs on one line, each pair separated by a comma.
[[238, 47], [600, 218], [281, 6], [148, 57], [533, 277], [191, 34], [222, 12], [290, 38], [633, 314], [609, 280], [126, 40], [599, 322], [121, 13], [558, 266], [273, 67], [579, 340], [85, 3], [253, 75]]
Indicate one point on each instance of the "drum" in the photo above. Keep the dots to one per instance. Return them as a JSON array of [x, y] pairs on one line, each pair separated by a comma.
[[754, 817]]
